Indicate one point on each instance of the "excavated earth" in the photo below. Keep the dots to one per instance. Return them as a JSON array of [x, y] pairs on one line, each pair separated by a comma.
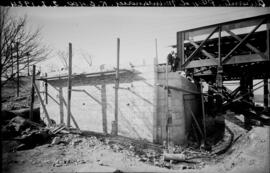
[[93, 152]]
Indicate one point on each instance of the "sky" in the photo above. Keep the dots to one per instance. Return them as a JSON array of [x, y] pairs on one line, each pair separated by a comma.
[[94, 30]]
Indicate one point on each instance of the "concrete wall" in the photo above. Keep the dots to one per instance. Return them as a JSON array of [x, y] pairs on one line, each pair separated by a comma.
[[179, 106], [92, 102], [142, 104]]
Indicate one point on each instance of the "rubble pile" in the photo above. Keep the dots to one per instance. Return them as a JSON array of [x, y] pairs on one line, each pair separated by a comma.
[[29, 134], [175, 157]]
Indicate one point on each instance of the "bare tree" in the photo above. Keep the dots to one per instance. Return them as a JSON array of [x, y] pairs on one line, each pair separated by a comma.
[[87, 57], [18, 45], [63, 56]]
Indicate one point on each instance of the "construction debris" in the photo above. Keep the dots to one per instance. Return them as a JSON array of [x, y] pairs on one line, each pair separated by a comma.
[[176, 157], [56, 140]]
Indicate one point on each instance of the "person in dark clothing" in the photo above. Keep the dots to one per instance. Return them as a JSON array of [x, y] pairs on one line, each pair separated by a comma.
[[176, 63], [170, 59]]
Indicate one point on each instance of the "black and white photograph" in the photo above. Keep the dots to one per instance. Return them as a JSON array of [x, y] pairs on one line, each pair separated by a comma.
[[135, 89]]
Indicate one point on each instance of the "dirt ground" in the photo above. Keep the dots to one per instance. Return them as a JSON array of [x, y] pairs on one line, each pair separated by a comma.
[[91, 152], [88, 153]]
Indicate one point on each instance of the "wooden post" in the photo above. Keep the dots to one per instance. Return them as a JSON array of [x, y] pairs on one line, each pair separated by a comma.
[[32, 93], [61, 105], [266, 85], [268, 41], [167, 104], [116, 88], [1, 66], [28, 64], [203, 113], [69, 84], [11, 56], [72, 117], [46, 89], [18, 75], [43, 105], [104, 107], [265, 92], [156, 121]]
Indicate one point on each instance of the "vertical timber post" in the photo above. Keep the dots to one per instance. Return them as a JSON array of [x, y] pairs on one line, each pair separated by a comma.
[[167, 105], [46, 89], [116, 88], [266, 85], [268, 41], [1, 65], [104, 108], [265, 92], [28, 64], [156, 122], [18, 74], [11, 56], [32, 93], [43, 106], [69, 85], [61, 105]]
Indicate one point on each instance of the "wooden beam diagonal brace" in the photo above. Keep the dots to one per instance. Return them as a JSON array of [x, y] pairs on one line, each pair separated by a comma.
[[227, 57], [254, 49], [191, 57]]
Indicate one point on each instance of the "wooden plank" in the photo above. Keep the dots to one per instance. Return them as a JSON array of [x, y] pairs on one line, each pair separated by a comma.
[[61, 105], [268, 41], [69, 85], [227, 57], [191, 57], [167, 105], [156, 122], [88, 75], [104, 108], [177, 157], [155, 109], [72, 117], [32, 93], [46, 90], [178, 89], [265, 92], [116, 90], [53, 99], [43, 105]]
